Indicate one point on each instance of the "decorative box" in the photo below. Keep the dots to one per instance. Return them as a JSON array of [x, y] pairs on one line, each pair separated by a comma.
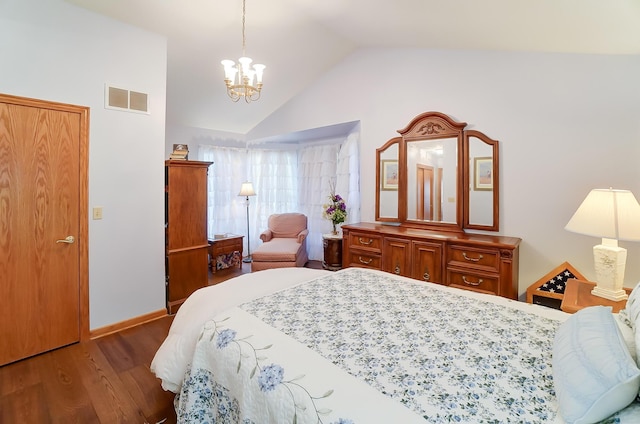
[[549, 290]]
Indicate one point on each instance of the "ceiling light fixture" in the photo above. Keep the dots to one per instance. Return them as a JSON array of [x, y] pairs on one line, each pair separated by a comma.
[[244, 86]]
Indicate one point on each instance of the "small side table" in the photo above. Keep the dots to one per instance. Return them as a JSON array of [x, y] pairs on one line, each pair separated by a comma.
[[223, 246], [332, 252], [577, 295]]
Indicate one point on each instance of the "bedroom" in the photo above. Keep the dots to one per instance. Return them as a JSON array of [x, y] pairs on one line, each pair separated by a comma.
[[566, 122]]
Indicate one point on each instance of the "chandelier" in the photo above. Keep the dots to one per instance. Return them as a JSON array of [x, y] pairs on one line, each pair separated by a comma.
[[244, 85]]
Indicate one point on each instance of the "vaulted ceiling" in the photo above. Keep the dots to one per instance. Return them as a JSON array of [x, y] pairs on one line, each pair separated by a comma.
[[299, 40]]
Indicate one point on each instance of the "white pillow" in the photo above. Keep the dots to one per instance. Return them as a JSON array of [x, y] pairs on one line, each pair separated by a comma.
[[633, 307], [593, 372], [632, 311], [626, 330]]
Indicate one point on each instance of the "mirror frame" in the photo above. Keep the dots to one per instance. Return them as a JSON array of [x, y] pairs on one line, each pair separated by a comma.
[[433, 126], [379, 153], [468, 179]]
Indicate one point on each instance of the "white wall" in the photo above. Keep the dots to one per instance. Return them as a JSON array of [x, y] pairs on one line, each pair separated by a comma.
[[566, 124], [55, 51]]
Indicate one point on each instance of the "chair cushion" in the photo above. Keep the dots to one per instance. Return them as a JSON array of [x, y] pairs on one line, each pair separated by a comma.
[[287, 224], [277, 250]]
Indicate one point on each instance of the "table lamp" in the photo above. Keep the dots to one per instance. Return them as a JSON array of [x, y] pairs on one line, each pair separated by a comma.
[[612, 215], [247, 190]]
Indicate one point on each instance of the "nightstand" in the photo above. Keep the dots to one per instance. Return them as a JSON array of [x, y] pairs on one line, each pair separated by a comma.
[[577, 295], [332, 245]]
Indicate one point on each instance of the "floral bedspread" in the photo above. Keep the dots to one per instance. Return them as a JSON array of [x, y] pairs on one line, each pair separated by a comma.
[[448, 357], [245, 371], [321, 351]]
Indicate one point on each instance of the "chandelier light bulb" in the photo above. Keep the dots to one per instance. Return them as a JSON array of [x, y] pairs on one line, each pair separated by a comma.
[[259, 70]]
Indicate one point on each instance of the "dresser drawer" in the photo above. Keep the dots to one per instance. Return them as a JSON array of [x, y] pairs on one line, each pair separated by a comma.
[[472, 281], [478, 258], [365, 241], [365, 260]]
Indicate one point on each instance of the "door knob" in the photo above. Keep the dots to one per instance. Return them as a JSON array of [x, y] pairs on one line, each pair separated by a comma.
[[68, 240]]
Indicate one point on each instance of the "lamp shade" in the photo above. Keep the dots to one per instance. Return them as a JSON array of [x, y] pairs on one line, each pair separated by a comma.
[[247, 189], [608, 213]]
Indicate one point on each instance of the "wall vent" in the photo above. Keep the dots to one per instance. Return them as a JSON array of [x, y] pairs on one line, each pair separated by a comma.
[[126, 100]]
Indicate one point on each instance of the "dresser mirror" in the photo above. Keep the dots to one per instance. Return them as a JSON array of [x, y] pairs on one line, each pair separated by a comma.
[[387, 181], [438, 176], [482, 182], [432, 180]]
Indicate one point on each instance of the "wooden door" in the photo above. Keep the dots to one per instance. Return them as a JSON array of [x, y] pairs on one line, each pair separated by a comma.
[[425, 193], [43, 226]]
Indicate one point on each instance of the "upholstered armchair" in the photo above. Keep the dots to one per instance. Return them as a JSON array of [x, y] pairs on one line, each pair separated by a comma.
[[284, 243]]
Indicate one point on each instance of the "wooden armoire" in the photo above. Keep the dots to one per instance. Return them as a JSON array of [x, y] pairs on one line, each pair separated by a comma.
[[186, 243]]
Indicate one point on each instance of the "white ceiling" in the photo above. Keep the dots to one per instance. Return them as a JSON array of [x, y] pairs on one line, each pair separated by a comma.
[[299, 40]]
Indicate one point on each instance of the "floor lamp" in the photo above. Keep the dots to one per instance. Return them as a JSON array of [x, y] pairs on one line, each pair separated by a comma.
[[247, 190]]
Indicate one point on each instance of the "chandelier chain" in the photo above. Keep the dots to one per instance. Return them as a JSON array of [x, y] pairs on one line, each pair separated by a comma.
[[244, 38]]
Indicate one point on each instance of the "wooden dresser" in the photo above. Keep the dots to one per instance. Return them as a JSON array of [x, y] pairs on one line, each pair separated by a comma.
[[186, 242], [477, 262]]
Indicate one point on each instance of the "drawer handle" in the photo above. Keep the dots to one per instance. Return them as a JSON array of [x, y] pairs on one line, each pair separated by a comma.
[[464, 255], [471, 283], [426, 276], [362, 261], [366, 243], [397, 270]]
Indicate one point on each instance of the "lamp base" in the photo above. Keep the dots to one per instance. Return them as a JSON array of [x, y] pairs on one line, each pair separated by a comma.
[[615, 295], [247, 259], [610, 261]]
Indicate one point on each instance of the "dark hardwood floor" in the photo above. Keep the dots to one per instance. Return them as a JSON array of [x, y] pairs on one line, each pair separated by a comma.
[[105, 380]]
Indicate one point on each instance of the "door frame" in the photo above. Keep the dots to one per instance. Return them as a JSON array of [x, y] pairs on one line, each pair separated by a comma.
[[83, 198]]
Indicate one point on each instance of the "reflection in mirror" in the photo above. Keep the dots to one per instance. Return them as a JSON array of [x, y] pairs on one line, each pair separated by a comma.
[[483, 190], [432, 180], [387, 176]]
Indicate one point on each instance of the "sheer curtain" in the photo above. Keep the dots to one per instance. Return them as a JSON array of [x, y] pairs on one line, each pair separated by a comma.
[[348, 175], [226, 210], [284, 181], [317, 173], [321, 168], [274, 177]]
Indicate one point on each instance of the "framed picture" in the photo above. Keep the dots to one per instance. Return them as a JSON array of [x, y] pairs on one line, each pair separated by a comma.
[[389, 174], [483, 173]]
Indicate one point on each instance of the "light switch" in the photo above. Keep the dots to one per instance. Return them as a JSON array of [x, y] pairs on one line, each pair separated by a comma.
[[97, 212]]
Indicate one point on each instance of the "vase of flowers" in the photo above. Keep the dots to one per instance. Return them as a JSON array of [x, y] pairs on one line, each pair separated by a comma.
[[335, 211]]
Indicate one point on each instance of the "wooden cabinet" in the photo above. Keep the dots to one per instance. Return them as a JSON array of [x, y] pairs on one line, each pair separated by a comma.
[[427, 261], [186, 243], [397, 256], [482, 263]]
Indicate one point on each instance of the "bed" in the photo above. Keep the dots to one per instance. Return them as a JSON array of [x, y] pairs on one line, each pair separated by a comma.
[[297, 345]]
